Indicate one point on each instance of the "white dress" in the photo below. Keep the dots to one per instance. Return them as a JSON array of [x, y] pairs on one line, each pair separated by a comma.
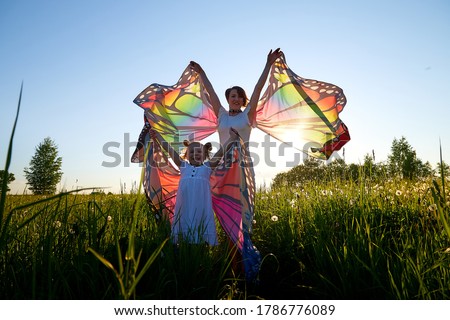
[[194, 217]]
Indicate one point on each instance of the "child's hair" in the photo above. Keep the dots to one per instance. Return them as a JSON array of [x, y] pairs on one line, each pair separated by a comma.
[[207, 147]]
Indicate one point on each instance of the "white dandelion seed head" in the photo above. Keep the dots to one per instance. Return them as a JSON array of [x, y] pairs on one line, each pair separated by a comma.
[[274, 218]]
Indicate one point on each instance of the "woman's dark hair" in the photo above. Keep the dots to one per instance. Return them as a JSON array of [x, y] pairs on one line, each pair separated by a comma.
[[240, 91]]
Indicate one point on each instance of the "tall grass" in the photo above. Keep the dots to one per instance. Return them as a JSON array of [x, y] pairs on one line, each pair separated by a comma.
[[331, 239], [352, 241]]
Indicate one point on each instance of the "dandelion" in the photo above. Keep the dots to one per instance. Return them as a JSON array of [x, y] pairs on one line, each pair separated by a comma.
[[253, 221], [292, 202], [109, 218], [71, 231], [432, 207], [398, 193], [57, 224], [274, 218]]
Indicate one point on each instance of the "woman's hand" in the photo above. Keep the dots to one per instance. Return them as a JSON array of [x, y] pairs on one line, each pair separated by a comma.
[[195, 67], [272, 56]]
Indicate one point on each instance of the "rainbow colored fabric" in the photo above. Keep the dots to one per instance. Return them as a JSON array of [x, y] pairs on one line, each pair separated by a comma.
[[303, 112], [294, 110]]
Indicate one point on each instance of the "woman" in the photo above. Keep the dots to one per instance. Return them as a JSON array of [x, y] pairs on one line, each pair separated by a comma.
[[242, 117], [241, 120]]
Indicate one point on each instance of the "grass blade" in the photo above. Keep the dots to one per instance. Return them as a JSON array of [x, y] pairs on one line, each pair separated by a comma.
[[8, 161]]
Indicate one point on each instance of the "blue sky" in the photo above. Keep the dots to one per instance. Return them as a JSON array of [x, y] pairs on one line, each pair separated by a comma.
[[83, 62]]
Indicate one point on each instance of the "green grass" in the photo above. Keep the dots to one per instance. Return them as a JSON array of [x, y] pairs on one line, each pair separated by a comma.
[[319, 240], [328, 240]]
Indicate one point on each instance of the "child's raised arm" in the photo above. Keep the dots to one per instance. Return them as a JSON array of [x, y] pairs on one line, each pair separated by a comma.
[[234, 136], [166, 146]]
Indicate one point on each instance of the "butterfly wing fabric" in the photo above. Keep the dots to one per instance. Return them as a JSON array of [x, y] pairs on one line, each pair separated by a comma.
[[179, 112], [160, 176], [293, 109], [183, 112], [302, 112], [233, 193]]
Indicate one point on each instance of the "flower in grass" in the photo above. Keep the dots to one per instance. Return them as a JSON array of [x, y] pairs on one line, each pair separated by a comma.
[[432, 207], [292, 203], [398, 193], [108, 218], [253, 221], [274, 218], [57, 224]]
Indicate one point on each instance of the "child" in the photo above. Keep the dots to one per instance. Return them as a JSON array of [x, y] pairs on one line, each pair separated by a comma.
[[193, 217]]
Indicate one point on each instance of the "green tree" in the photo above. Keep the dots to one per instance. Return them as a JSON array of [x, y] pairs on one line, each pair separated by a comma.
[[10, 178], [403, 161], [443, 168], [44, 172]]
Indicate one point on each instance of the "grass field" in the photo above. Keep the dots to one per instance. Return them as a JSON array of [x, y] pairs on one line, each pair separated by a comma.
[[327, 240]]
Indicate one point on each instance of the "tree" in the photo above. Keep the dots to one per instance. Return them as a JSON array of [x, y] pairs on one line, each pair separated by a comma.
[[403, 161], [10, 178], [443, 169], [44, 172]]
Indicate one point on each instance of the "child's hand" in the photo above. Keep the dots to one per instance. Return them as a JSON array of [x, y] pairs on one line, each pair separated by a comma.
[[234, 135], [152, 134]]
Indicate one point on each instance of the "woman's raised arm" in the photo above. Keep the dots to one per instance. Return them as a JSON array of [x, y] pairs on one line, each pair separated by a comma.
[[271, 57]]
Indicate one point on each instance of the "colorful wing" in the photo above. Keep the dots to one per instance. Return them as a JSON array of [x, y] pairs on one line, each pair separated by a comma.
[[179, 112], [233, 191], [160, 176], [302, 112], [143, 140], [161, 181]]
